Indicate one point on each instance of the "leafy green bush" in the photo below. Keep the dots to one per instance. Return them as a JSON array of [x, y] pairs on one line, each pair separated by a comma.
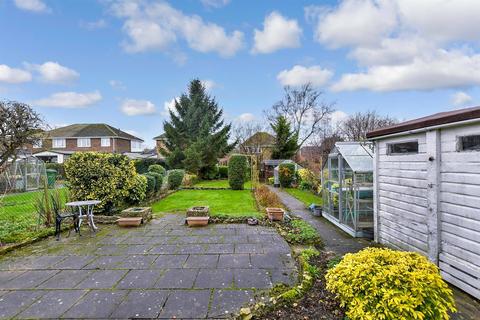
[[286, 173], [175, 178], [237, 166], [271, 180], [158, 179], [189, 180], [378, 283], [157, 169], [141, 165], [209, 173], [223, 172], [100, 176], [151, 183], [138, 189], [301, 232]]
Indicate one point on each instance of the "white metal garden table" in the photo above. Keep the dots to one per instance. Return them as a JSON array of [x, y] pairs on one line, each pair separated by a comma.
[[88, 213]]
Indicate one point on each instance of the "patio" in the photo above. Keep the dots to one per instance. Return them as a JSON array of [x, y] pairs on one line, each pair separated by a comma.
[[161, 270]]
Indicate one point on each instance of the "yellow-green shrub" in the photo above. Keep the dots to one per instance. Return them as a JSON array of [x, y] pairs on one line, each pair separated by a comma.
[[378, 283], [138, 190], [101, 176]]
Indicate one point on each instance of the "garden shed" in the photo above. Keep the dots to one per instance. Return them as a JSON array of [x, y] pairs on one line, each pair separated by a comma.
[[347, 181], [427, 191]]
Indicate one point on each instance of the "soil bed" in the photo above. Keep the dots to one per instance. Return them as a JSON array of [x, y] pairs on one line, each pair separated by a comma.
[[317, 303]]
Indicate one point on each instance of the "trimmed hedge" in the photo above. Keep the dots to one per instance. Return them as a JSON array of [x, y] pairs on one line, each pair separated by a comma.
[[151, 183], [175, 178], [141, 165], [138, 190], [237, 167], [223, 172], [158, 179], [286, 173], [157, 169], [378, 283]]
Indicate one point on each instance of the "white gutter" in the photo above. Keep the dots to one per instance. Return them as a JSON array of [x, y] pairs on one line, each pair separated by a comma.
[[445, 125]]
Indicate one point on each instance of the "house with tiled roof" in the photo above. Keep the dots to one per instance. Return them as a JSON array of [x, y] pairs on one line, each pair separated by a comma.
[[58, 144]]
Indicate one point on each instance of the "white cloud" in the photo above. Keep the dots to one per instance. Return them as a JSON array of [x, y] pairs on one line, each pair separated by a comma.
[[169, 106], [246, 117], [215, 3], [353, 22], [278, 33], [69, 100], [155, 26], [116, 84], [403, 44], [300, 75], [445, 69], [53, 72], [460, 98], [13, 75], [337, 117], [209, 84], [32, 5], [93, 25], [132, 107]]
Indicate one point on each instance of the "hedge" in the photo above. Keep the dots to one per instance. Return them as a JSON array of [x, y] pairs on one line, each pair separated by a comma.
[[223, 172], [286, 173], [141, 165], [138, 190], [151, 183], [157, 169], [100, 176], [175, 178], [237, 166], [158, 179]]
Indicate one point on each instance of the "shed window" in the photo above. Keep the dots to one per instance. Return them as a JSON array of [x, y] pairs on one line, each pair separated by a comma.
[[403, 147], [469, 143]]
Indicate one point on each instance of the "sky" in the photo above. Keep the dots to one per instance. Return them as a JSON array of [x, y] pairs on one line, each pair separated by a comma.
[[123, 62]]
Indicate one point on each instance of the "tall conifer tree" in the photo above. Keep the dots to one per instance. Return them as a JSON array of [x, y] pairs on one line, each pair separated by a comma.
[[196, 135], [286, 141]]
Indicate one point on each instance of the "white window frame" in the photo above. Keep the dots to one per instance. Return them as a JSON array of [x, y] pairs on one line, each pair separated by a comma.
[[105, 142], [135, 146], [84, 143], [59, 143], [37, 144]]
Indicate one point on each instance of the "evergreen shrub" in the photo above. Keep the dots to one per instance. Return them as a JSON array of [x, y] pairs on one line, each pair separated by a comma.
[[286, 172], [237, 166], [223, 172], [175, 178]]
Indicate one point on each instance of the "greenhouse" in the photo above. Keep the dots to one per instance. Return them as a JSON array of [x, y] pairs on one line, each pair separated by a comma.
[[347, 181]]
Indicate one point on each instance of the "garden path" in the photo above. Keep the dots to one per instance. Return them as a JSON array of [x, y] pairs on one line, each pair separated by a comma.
[[161, 270]]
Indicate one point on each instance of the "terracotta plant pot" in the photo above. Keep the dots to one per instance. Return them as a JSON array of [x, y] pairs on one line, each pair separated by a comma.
[[130, 222], [197, 221], [275, 214]]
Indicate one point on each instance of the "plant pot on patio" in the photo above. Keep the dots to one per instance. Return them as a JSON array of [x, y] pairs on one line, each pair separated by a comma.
[[197, 216], [275, 214], [130, 222], [142, 212]]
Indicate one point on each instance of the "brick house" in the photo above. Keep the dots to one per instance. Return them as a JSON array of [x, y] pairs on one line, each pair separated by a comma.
[[58, 144], [160, 144]]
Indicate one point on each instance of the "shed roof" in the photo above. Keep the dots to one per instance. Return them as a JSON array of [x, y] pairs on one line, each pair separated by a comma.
[[428, 121], [358, 155]]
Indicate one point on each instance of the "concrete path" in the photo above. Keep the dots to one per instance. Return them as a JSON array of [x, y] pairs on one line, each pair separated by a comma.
[[162, 270], [335, 239]]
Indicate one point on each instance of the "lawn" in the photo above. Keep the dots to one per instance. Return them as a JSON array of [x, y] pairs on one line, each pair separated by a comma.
[[232, 203], [307, 197], [219, 184], [18, 218]]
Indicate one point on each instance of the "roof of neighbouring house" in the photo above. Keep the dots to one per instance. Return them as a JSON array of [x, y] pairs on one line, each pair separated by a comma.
[[436, 119], [90, 130], [160, 137], [260, 138]]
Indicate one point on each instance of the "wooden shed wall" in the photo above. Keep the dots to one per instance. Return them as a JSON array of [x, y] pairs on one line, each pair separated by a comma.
[[404, 195]]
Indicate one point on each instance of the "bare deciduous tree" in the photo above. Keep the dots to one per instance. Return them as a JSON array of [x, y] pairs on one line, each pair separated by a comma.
[[19, 125], [357, 126], [242, 131], [305, 110]]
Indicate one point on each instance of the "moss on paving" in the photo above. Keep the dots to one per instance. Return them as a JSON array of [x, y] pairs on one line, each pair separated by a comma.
[[222, 203]]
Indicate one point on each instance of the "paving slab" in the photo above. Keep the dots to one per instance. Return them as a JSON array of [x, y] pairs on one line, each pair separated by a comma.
[[163, 269]]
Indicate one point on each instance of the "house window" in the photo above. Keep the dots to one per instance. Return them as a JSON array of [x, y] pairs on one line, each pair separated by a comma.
[[136, 146], [105, 142], [58, 143], [83, 142], [37, 144], [410, 147], [469, 143]]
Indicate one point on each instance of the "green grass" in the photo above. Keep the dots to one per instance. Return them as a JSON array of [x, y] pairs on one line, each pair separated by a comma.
[[18, 217], [219, 184], [231, 203], [305, 196]]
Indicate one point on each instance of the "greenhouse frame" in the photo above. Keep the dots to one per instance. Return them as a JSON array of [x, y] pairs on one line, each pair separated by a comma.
[[347, 181]]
